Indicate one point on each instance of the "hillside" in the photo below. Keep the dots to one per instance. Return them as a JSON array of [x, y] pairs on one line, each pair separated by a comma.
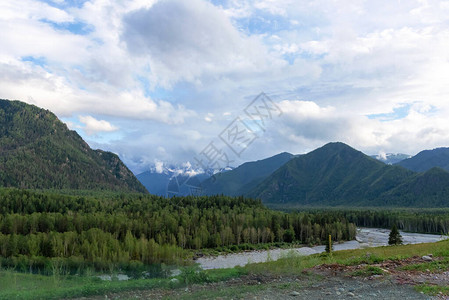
[[427, 159], [337, 174], [38, 151], [430, 189], [244, 178]]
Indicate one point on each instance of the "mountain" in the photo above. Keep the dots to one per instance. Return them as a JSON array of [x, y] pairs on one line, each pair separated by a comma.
[[428, 159], [391, 158], [169, 183], [337, 174], [156, 183], [38, 151], [430, 189], [244, 178]]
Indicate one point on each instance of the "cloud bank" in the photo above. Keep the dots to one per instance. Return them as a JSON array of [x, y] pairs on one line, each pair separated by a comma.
[[158, 80]]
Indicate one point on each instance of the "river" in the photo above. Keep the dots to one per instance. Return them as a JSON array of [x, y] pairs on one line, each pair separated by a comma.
[[366, 237]]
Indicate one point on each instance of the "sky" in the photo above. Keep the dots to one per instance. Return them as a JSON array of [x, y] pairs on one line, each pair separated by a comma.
[[216, 83]]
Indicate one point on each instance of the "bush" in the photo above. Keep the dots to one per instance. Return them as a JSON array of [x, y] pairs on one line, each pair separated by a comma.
[[193, 274]]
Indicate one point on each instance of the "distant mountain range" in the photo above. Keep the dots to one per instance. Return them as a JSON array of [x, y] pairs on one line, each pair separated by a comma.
[[38, 151], [337, 174], [172, 181], [332, 175], [391, 158], [427, 159]]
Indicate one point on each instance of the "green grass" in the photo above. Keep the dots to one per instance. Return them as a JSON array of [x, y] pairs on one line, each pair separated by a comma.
[[296, 264], [434, 266], [433, 289], [14, 285]]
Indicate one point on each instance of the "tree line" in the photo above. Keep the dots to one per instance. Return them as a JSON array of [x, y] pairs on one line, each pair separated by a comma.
[[428, 220], [434, 221], [119, 229]]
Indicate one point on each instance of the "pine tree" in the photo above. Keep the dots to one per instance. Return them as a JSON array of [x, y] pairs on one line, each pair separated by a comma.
[[395, 237]]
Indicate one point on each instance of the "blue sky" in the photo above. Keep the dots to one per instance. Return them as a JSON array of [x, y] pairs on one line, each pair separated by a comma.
[[158, 81]]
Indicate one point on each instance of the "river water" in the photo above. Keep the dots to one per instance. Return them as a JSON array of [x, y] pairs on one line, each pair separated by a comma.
[[366, 237]]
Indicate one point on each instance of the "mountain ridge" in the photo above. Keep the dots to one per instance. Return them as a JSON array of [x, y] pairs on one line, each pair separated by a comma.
[[38, 151], [427, 159], [336, 174], [245, 177]]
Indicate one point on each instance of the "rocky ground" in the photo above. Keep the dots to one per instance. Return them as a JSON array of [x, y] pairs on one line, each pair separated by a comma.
[[321, 282]]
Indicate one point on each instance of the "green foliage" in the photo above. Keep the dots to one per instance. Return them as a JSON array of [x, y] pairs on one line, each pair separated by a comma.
[[297, 264], [193, 274], [38, 151], [438, 265], [412, 220], [33, 286], [395, 237], [122, 231], [433, 290], [338, 175], [368, 271]]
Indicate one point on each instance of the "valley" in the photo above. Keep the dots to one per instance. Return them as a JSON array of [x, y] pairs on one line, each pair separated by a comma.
[[70, 215]]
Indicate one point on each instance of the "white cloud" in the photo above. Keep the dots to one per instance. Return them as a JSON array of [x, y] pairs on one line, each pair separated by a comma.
[[159, 166], [194, 41], [172, 73], [93, 126]]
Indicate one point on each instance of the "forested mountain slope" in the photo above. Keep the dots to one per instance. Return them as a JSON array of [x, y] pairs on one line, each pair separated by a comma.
[[244, 178], [427, 159], [337, 174], [38, 151]]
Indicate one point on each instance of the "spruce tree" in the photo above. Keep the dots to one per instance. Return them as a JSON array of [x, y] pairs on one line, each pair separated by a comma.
[[395, 237]]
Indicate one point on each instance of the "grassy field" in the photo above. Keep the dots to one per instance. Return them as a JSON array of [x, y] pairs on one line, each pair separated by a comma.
[[294, 264], [14, 285]]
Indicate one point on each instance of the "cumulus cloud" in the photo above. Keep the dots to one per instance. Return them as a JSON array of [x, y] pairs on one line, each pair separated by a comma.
[[188, 40], [172, 74], [93, 126]]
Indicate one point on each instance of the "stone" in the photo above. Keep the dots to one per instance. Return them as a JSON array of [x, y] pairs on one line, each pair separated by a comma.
[[351, 294], [427, 258], [294, 294]]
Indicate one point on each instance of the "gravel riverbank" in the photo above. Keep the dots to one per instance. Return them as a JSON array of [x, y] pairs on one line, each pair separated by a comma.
[[366, 237]]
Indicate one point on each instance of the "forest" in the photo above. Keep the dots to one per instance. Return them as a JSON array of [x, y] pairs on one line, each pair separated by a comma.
[[422, 220], [41, 229], [434, 221]]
